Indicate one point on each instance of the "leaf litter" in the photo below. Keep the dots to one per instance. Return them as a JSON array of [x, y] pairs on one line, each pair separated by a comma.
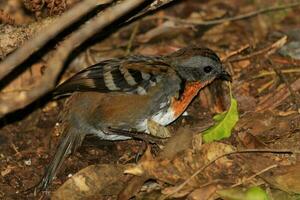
[[187, 166]]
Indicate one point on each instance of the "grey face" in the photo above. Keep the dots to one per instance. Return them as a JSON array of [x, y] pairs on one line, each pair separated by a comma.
[[200, 68]]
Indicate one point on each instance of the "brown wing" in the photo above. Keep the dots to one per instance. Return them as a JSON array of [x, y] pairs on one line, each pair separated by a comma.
[[133, 74]]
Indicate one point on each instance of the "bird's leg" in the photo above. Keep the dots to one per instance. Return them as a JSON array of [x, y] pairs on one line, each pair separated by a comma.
[[146, 138], [136, 135]]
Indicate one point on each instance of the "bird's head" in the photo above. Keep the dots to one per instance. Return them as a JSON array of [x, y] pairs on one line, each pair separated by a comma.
[[196, 64]]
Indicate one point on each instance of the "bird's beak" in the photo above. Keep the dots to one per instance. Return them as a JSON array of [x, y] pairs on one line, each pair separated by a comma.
[[225, 76]]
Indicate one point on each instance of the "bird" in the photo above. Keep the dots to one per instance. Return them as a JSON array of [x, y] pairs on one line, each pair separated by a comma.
[[125, 93]]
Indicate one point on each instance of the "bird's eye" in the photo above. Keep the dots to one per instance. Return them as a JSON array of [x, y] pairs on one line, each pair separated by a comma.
[[207, 69]]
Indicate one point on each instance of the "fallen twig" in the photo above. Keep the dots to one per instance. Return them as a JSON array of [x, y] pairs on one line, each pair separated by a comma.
[[29, 47], [154, 6], [264, 73], [132, 37], [254, 175], [235, 18], [235, 52], [268, 50]]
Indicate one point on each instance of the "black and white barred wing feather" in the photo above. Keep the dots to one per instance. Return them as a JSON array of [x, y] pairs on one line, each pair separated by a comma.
[[135, 74]]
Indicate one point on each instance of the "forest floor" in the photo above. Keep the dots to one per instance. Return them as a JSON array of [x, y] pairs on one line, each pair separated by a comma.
[[262, 53]]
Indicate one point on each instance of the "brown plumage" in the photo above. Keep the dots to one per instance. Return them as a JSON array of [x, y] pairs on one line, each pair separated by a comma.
[[124, 93]]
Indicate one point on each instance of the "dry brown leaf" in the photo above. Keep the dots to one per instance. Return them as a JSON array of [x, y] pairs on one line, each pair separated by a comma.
[[185, 163], [180, 141], [92, 180], [133, 186], [170, 191], [289, 181], [267, 126], [250, 141], [203, 193], [241, 64]]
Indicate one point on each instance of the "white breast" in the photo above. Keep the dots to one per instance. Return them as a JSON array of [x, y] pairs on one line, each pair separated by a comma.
[[164, 117]]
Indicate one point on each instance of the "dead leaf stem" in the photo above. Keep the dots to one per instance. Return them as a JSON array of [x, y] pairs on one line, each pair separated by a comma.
[[255, 175]]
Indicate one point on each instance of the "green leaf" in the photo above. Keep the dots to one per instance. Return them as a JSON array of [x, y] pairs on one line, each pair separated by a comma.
[[239, 193], [256, 193], [225, 122]]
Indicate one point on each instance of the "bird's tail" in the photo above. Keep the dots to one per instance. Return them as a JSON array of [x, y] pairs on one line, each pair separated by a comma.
[[71, 140]]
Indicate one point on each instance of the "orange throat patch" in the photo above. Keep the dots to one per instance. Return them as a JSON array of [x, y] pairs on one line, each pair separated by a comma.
[[190, 91]]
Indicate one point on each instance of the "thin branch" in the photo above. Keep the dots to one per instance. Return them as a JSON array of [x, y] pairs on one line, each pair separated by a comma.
[[268, 50], [235, 52], [254, 175], [153, 6], [56, 62], [37, 41], [235, 18], [275, 151], [264, 73]]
